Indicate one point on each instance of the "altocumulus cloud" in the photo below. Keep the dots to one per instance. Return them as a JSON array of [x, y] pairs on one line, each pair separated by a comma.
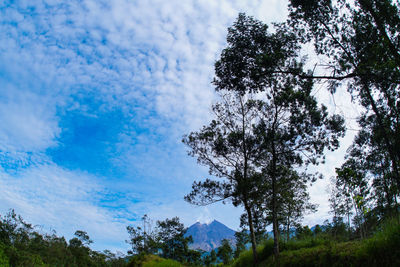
[[94, 99], [64, 200]]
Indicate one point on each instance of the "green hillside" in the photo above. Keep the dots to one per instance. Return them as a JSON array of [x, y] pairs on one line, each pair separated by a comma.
[[382, 249]]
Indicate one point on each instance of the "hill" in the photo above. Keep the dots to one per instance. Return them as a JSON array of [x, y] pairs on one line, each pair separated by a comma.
[[208, 236]]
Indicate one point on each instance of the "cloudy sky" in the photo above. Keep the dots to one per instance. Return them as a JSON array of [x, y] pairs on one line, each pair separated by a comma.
[[94, 99]]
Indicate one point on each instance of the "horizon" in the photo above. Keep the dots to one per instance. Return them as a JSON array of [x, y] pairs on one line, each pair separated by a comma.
[[95, 97]]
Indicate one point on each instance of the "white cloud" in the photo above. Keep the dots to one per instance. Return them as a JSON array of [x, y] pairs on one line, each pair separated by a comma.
[[63, 200], [28, 121], [341, 104], [164, 49]]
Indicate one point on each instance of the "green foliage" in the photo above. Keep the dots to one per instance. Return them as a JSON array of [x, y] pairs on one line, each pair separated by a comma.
[[242, 238], [303, 232], [210, 259], [172, 240], [307, 242], [3, 257], [359, 44], [246, 257], [382, 249], [361, 41], [143, 239], [166, 239], [225, 251]]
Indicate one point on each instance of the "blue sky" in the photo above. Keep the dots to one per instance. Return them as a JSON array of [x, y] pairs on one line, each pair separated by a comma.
[[94, 99]]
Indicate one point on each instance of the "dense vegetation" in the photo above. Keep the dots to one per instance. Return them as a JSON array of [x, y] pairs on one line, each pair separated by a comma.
[[268, 127], [23, 245], [167, 239]]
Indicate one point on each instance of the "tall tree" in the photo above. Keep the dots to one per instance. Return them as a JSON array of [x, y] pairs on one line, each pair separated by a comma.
[[242, 238], [361, 40], [294, 203], [352, 183], [292, 129], [227, 146], [341, 204], [371, 161], [260, 221], [256, 141]]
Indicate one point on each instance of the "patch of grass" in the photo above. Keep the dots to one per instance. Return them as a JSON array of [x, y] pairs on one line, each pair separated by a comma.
[[342, 254], [162, 263], [304, 243], [153, 261]]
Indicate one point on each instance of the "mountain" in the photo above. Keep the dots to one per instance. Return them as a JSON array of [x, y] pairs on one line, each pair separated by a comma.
[[208, 236]]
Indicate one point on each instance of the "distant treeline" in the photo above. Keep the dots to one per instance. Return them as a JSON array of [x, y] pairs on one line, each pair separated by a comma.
[[23, 245]]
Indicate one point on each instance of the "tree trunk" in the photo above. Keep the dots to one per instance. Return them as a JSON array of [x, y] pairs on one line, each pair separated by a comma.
[[246, 204], [275, 220], [287, 230], [252, 234], [389, 146], [360, 228], [348, 222], [288, 222], [274, 203]]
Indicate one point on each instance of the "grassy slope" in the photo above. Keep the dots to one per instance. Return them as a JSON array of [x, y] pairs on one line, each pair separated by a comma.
[[154, 261], [383, 249]]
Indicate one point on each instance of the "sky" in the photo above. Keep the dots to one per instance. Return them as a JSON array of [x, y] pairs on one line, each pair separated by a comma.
[[95, 97]]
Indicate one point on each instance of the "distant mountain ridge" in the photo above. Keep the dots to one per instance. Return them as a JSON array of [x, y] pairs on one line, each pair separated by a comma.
[[208, 236]]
